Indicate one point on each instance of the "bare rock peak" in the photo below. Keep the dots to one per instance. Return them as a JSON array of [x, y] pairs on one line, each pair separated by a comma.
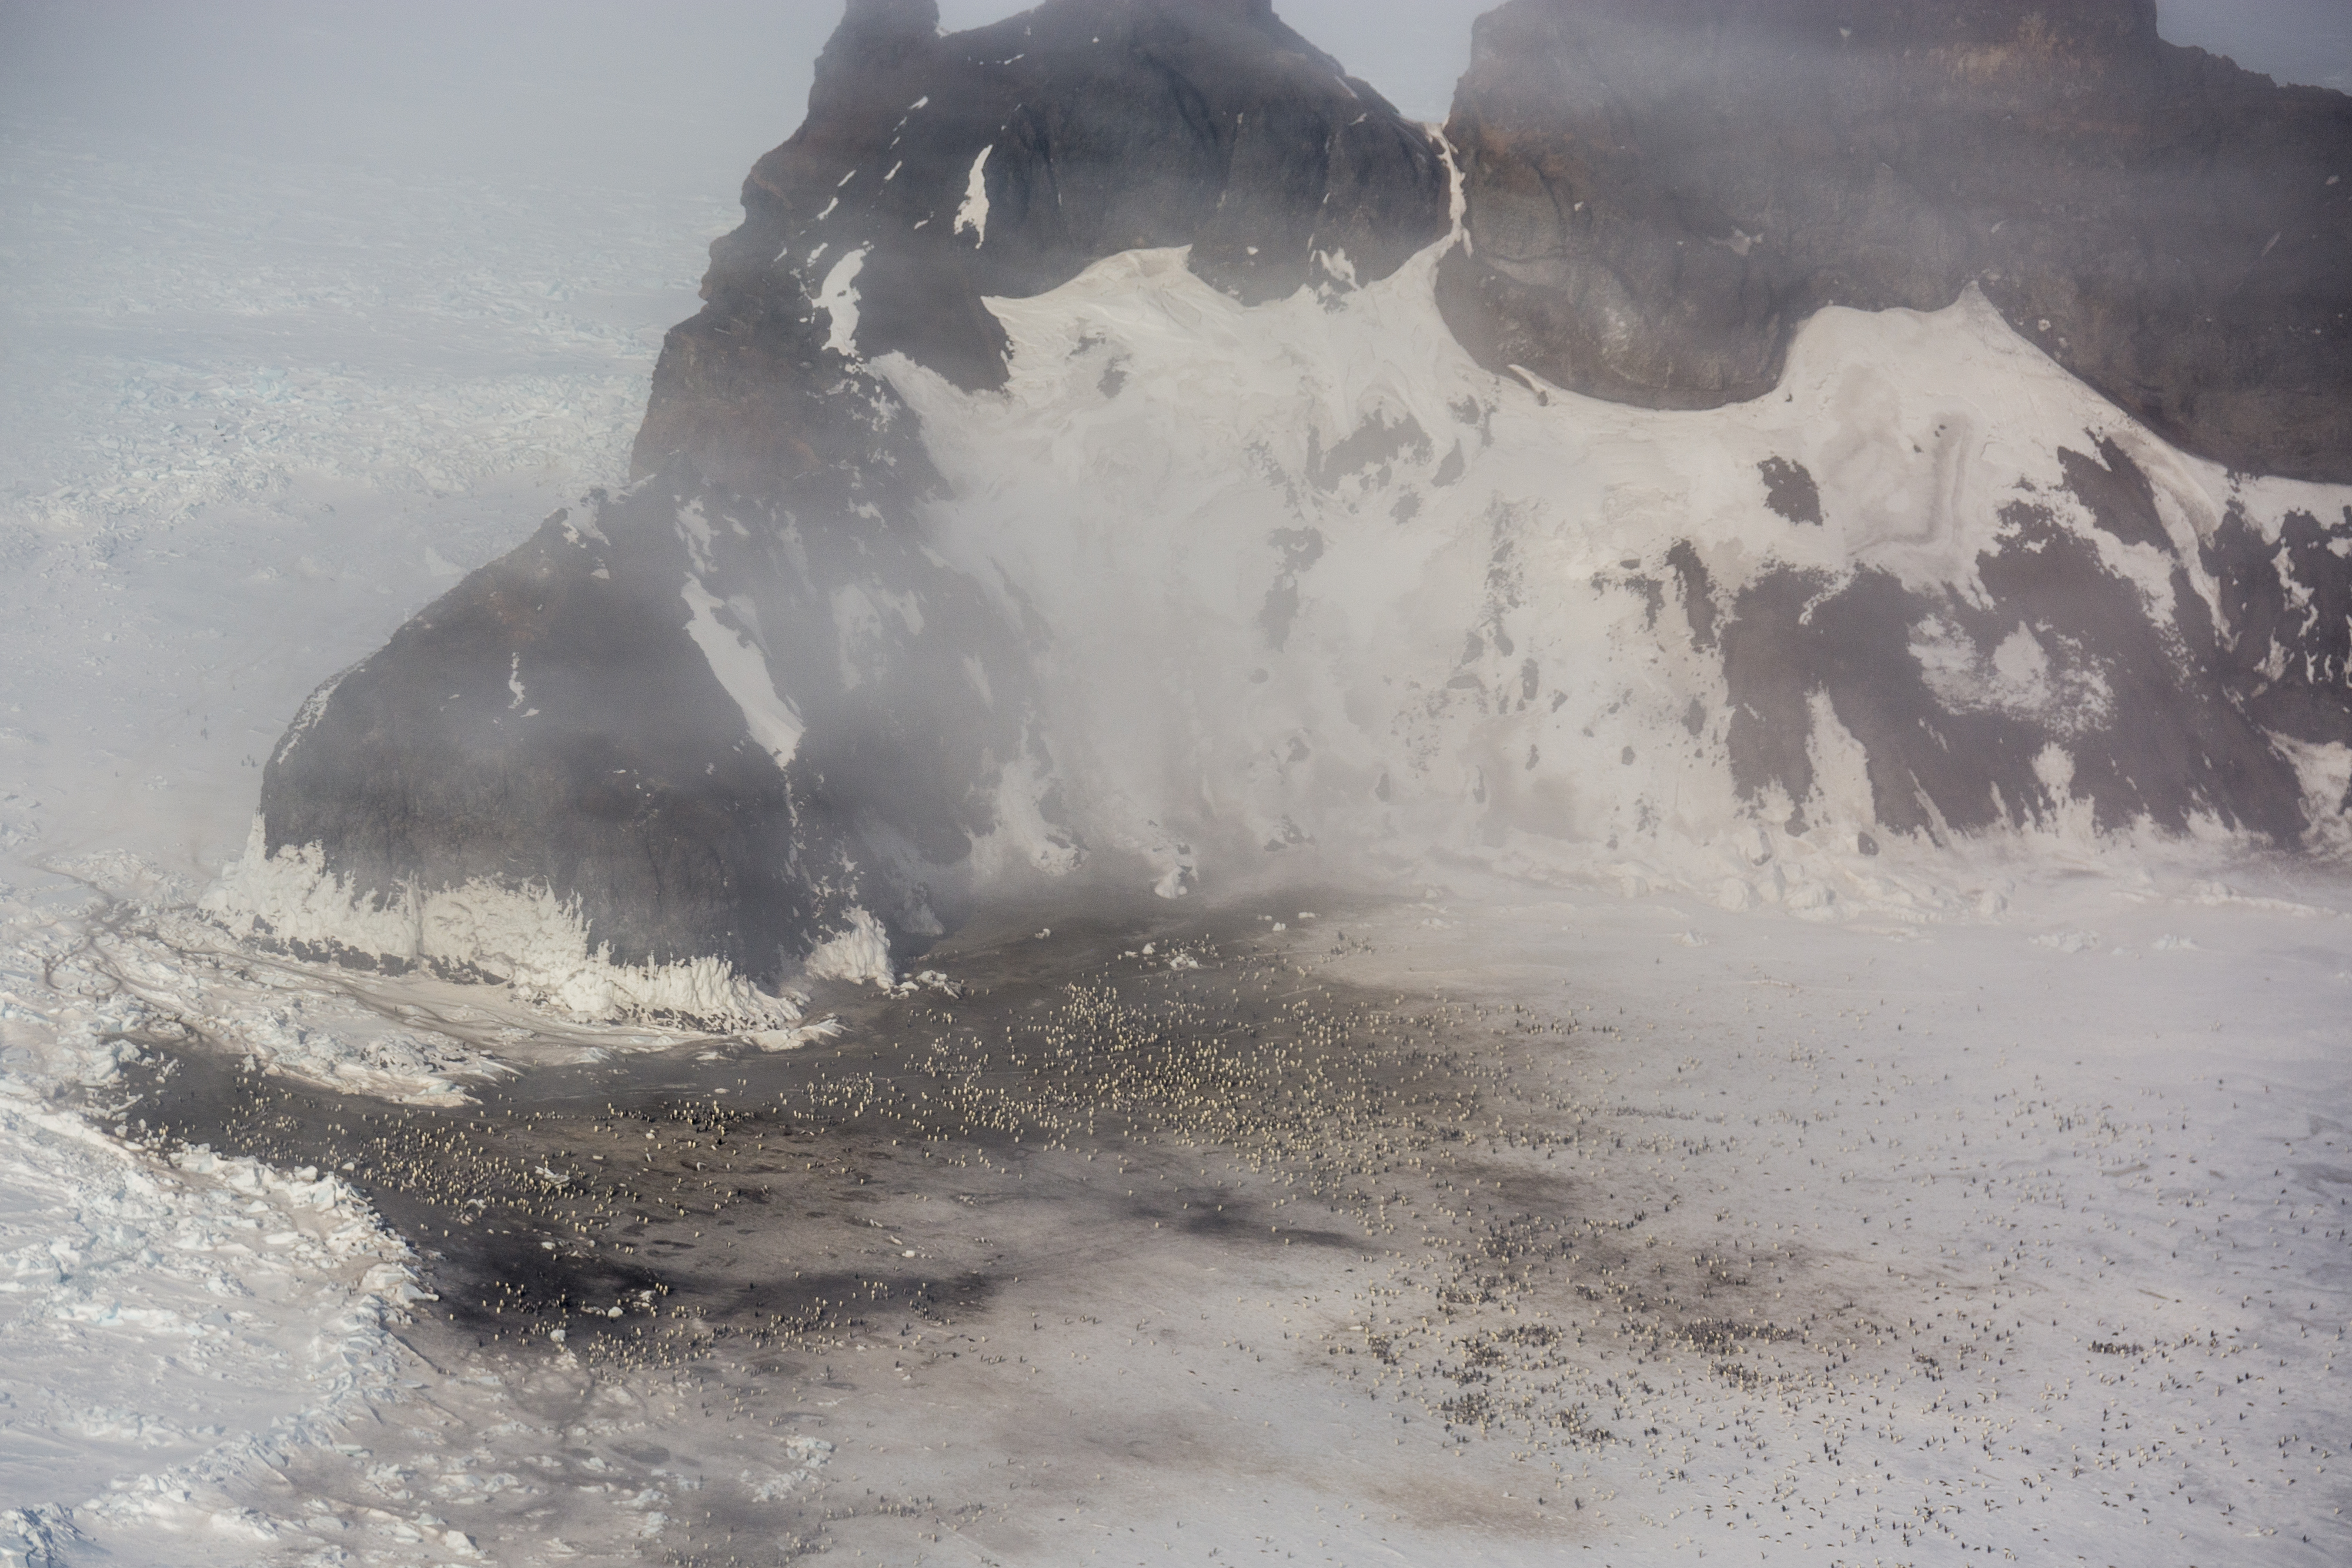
[[1662, 192], [888, 18]]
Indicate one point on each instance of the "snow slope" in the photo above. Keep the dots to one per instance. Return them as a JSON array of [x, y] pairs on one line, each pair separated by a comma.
[[1311, 576]]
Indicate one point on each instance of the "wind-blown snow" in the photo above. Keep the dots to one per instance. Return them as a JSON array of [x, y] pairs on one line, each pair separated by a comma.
[[859, 952]]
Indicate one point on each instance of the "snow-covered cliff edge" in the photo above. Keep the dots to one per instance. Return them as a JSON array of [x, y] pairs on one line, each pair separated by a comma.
[[1078, 463]]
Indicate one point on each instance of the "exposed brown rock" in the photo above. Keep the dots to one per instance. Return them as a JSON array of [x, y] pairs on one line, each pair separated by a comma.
[[780, 484], [1662, 191], [1105, 125]]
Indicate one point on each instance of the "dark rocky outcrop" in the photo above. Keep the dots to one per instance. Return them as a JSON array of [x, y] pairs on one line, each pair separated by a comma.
[[1661, 192], [477, 744], [2058, 663], [718, 712], [559, 721], [2287, 604], [1003, 160]]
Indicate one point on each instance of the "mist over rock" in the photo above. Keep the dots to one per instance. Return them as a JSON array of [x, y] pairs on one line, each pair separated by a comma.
[[935, 171], [1116, 438], [739, 708], [1662, 191]]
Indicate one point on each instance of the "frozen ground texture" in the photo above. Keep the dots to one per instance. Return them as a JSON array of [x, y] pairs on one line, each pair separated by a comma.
[[2046, 1140]]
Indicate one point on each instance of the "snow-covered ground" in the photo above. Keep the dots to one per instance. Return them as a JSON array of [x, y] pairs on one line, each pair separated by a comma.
[[2024, 1188], [252, 413]]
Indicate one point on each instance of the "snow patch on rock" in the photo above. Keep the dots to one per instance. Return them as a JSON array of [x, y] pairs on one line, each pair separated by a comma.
[[860, 952], [972, 214], [838, 297], [742, 670]]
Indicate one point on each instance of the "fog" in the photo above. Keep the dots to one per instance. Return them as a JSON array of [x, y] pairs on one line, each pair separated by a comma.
[[678, 98]]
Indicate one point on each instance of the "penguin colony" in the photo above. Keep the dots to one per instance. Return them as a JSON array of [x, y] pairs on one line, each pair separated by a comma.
[[1525, 1276]]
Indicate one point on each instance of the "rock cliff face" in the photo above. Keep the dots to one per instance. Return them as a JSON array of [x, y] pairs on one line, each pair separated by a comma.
[[1662, 191], [934, 171], [1265, 534], [739, 709]]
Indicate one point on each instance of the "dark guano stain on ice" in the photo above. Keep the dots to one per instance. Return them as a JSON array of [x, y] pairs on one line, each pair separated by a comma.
[[1083, 1107], [733, 1187]]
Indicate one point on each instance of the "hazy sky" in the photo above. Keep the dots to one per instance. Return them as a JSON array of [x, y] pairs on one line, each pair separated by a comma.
[[681, 92]]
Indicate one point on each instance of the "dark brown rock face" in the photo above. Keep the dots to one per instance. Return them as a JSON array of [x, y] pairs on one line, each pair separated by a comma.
[[722, 711], [1003, 160], [2160, 722], [1662, 191], [425, 764], [718, 712]]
